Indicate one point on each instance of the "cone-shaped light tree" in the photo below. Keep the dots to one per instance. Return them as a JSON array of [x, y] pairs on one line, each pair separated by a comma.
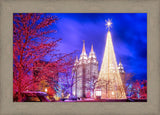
[[109, 81]]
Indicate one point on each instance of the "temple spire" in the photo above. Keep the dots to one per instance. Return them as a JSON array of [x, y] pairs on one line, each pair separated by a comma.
[[92, 48], [120, 60], [120, 67], [76, 61], [92, 54], [83, 54], [83, 50]]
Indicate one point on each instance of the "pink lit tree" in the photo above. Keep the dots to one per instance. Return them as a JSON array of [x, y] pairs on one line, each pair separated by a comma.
[[33, 41], [137, 89], [143, 90]]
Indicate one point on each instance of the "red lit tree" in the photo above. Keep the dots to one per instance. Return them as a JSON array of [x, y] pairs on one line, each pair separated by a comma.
[[33, 41], [143, 90], [137, 89]]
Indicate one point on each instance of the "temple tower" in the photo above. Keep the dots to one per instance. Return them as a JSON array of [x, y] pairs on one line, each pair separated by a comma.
[[122, 72], [92, 75], [85, 72]]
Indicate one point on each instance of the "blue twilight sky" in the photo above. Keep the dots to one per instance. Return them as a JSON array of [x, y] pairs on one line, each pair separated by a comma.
[[129, 36]]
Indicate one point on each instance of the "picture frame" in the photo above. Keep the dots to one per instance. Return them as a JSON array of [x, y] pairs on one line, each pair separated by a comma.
[[151, 7]]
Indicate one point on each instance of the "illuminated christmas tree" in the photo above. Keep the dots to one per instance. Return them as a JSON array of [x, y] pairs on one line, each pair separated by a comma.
[[109, 80]]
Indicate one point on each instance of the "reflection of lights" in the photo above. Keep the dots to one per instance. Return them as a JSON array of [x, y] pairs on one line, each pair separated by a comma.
[[46, 90], [112, 93]]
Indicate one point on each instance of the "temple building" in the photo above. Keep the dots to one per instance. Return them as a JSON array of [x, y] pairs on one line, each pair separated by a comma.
[[122, 72], [85, 72], [109, 83]]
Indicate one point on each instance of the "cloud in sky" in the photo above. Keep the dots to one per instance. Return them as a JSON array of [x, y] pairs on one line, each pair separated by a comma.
[[129, 36]]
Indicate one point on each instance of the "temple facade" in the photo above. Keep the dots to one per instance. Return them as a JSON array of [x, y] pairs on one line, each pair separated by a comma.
[[122, 72], [85, 73]]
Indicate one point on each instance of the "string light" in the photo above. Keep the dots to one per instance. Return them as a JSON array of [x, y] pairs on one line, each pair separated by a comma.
[[109, 72]]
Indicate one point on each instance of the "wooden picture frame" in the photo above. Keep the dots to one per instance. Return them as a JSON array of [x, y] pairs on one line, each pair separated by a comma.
[[7, 8]]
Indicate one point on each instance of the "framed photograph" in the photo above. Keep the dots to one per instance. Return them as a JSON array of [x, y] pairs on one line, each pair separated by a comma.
[[76, 59], [49, 69]]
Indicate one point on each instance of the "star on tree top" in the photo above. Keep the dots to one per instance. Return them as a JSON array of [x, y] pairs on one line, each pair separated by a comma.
[[108, 24]]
